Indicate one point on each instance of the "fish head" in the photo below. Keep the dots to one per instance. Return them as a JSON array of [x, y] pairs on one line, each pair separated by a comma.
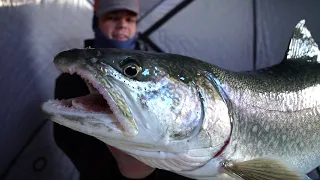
[[146, 104]]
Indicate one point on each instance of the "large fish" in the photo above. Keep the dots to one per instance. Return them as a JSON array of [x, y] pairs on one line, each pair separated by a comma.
[[195, 119]]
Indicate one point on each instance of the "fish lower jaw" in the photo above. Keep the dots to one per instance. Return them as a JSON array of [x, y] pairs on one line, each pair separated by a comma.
[[101, 103], [62, 112]]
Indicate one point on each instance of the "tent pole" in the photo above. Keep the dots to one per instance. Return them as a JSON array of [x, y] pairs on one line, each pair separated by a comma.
[[165, 18], [145, 36], [150, 11], [254, 26]]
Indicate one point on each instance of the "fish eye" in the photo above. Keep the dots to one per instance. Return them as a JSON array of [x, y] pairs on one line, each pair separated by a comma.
[[131, 70]]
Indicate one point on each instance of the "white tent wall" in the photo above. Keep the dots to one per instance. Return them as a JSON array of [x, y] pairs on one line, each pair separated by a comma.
[[227, 34], [30, 36], [217, 31]]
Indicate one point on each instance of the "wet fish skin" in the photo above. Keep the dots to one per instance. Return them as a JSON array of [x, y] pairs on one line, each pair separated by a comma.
[[205, 122], [273, 116]]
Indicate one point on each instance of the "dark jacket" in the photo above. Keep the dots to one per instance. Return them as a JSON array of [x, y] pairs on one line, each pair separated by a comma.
[[90, 155]]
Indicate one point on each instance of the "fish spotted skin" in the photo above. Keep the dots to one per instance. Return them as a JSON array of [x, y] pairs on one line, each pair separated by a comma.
[[276, 113]]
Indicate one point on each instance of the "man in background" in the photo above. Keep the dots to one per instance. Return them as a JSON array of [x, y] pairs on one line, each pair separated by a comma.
[[114, 26]]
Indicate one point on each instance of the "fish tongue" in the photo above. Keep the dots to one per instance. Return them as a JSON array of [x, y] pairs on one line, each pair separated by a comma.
[[91, 102]]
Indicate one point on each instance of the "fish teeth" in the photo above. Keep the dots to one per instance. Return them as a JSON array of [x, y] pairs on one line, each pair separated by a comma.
[[71, 70], [91, 88]]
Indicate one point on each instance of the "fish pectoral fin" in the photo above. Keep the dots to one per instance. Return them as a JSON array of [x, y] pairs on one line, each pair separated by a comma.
[[261, 169]]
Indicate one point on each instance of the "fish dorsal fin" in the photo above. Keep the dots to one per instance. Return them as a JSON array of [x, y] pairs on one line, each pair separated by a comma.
[[302, 46], [262, 169]]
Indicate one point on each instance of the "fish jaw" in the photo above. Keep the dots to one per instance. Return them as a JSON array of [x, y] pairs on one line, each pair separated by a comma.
[[126, 107], [119, 119]]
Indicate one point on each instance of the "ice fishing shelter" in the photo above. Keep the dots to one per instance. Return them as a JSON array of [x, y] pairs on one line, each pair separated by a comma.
[[236, 35]]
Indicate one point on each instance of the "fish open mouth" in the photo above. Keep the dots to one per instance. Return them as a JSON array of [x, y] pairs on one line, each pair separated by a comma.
[[98, 108]]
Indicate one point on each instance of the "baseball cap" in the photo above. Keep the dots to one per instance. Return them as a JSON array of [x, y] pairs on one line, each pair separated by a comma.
[[105, 6]]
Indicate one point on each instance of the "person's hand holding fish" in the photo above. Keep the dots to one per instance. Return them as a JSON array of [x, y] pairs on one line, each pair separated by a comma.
[[129, 166]]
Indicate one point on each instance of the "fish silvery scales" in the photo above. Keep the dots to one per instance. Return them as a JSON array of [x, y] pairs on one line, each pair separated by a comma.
[[183, 115]]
